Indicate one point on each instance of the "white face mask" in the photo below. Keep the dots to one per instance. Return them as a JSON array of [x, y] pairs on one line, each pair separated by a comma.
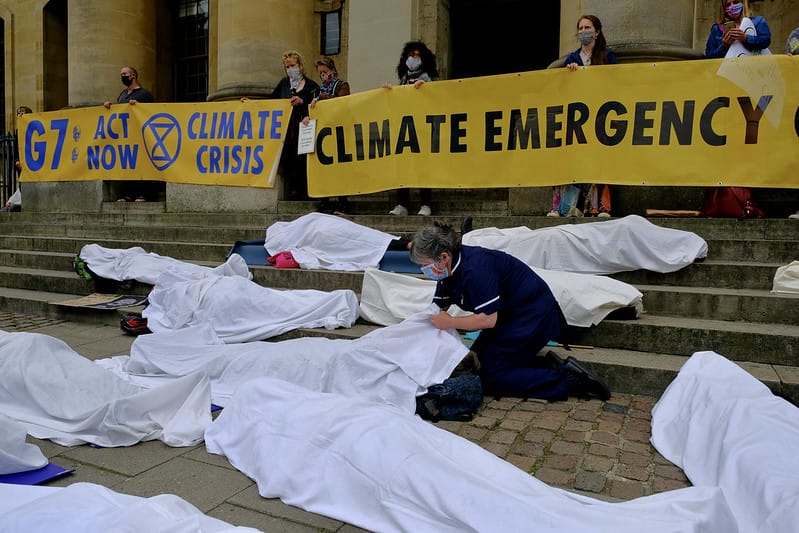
[[295, 76], [413, 63]]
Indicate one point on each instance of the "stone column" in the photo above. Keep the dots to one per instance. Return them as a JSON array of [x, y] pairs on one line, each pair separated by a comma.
[[636, 31], [105, 36], [251, 36]]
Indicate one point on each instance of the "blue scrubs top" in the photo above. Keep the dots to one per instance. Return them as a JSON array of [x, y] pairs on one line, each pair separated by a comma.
[[489, 281]]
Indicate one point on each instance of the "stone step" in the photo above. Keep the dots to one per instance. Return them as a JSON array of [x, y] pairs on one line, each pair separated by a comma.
[[54, 281], [709, 273], [747, 305], [709, 229], [185, 251], [773, 343], [45, 304], [741, 341], [189, 243]]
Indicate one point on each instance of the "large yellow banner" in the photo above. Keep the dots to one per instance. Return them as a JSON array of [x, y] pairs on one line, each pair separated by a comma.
[[700, 123], [228, 143]]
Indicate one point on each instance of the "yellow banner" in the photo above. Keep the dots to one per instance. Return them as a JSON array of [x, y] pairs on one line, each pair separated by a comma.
[[227, 143], [686, 123]]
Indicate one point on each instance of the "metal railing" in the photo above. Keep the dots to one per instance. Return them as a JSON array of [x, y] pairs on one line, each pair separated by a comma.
[[8, 173]]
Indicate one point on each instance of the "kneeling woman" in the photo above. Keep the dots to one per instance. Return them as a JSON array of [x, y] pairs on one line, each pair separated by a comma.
[[515, 311]]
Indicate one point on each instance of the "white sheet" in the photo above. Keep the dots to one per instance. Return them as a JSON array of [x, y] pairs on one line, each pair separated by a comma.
[[59, 395], [391, 365], [786, 278], [240, 310], [90, 508], [388, 298], [606, 247], [725, 428], [16, 455], [377, 467], [136, 263], [328, 242]]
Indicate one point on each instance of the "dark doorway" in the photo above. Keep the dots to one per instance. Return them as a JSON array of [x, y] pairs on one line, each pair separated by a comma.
[[501, 36], [56, 60]]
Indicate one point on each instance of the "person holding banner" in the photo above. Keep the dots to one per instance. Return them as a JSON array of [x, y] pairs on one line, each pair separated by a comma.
[[133, 91], [593, 51], [300, 90], [735, 26], [792, 44], [332, 87], [14, 202], [417, 65], [514, 310]]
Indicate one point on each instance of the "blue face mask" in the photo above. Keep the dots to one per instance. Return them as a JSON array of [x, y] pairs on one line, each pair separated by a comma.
[[436, 274], [734, 10]]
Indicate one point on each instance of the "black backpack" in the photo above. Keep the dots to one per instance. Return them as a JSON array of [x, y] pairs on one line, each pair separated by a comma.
[[458, 398]]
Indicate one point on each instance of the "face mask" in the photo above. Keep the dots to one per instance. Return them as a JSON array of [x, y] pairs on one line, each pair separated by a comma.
[[413, 63], [585, 37], [734, 10], [294, 75], [430, 271], [126, 80], [325, 77]]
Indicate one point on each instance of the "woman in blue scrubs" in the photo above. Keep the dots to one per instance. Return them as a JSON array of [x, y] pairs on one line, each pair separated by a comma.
[[514, 310]]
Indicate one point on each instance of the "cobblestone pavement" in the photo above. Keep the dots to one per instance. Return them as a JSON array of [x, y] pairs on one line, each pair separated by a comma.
[[600, 449]]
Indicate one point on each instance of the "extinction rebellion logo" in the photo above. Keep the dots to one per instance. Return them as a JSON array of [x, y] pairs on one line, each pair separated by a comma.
[[162, 139]]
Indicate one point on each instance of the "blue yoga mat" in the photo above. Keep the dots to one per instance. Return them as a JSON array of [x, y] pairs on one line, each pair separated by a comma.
[[34, 477], [255, 254], [252, 251]]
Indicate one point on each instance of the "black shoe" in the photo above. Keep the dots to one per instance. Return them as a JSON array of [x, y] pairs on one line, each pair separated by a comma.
[[553, 360], [466, 225], [590, 384]]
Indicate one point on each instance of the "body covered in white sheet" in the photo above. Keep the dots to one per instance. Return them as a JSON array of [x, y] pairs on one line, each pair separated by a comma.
[[328, 242], [145, 267], [391, 365], [90, 508], [382, 469], [58, 394], [606, 247], [16, 455], [240, 310], [388, 298], [725, 428]]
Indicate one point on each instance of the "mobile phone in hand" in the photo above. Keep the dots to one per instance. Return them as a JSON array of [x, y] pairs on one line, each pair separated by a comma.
[[729, 25]]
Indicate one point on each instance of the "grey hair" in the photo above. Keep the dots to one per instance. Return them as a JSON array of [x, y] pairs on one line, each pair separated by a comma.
[[432, 241]]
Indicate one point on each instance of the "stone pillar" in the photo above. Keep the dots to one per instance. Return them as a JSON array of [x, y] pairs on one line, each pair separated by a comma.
[[251, 36], [105, 36], [636, 31]]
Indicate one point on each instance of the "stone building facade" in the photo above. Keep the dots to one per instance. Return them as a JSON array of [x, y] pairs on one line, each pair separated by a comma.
[[67, 53]]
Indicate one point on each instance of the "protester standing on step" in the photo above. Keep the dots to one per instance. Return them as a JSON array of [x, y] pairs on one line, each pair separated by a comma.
[[131, 94], [331, 87], [566, 199], [792, 49], [299, 90], [730, 30], [14, 203], [514, 310], [417, 65]]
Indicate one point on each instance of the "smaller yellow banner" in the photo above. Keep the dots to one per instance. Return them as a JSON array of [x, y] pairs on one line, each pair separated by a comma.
[[226, 143]]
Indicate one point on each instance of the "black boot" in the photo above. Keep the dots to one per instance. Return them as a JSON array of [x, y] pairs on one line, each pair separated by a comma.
[[586, 382]]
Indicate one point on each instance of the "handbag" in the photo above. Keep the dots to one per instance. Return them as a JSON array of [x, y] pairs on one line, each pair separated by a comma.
[[729, 202]]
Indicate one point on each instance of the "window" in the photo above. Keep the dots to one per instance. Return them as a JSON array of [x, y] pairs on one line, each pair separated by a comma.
[[191, 51], [331, 33]]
